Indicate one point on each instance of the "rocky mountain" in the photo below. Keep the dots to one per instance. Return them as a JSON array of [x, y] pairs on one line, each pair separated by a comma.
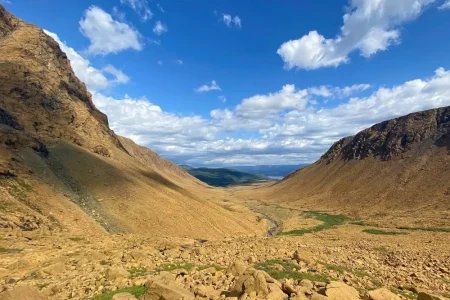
[[61, 166], [401, 165]]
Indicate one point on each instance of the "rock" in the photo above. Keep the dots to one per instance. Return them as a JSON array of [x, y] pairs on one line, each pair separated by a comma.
[[207, 291], [237, 268], [164, 287], [251, 281], [288, 289], [115, 273], [123, 296], [296, 256], [22, 292], [306, 283], [275, 292], [200, 251], [428, 296], [336, 290], [382, 294]]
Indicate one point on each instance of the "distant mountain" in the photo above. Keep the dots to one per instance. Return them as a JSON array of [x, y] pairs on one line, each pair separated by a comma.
[[272, 171], [223, 177]]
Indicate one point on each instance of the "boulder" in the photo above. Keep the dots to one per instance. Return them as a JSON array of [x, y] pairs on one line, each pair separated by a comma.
[[123, 296], [251, 281], [164, 287], [237, 268], [336, 290], [22, 292], [114, 273], [428, 296], [382, 294]]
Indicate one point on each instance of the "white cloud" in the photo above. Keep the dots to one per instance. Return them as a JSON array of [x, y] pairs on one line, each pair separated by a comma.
[[140, 7], [179, 62], [159, 28], [160, 8], [106, 34], [369, 26], [94, 79], [213, 86], [159, 62], [445, 5], [231, 21], [222, 98]]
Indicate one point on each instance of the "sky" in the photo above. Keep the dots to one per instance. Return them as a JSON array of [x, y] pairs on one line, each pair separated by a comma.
[[220, 83]]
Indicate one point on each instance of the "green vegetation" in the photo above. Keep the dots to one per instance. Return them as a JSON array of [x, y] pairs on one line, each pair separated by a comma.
[[341, 269], [76, 239], [328, 220], [224, 177], [170, 267], [217, 267], [289, 271], [136, 272], [432, 229], [381, 249], [383, 232], [136, 291], [40, 286], [406, 294], [10, 250]]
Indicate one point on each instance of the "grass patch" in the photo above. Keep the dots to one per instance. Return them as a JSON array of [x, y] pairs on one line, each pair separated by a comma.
[[406, 294], [136, 291], [10, 250], [432, 229], [381, 249], [289, 271], [40, 286], [217, 267], [136, 272], [328, 220], [383, 232], [331, 267], [76, 239], [171, 267]]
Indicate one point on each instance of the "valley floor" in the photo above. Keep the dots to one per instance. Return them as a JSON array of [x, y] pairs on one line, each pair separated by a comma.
[[309, 247]]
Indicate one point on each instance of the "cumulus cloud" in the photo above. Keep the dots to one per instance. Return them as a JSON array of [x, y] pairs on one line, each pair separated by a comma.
[[95, 79], [231, 21], [107, 35], [213, 86], [369, 26], [140, 7], [222, 98], [160, 28], [445, 5], [161, 9]]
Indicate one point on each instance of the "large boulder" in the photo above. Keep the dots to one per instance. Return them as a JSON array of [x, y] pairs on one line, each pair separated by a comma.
[[164, 287], [22, 292], [336, 290], [237, 268], [115, 273], [381, 294], [251, 281], [428, 296]]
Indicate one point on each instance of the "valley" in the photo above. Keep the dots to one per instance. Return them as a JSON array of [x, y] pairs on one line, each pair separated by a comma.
[[88, 214]]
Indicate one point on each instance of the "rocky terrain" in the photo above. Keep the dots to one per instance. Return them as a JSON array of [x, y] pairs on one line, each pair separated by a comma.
[[87, 214]]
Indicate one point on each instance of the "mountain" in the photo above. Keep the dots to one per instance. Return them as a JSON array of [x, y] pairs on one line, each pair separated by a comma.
[[272, 171], [224, 177], [401, 165], [62, 167]]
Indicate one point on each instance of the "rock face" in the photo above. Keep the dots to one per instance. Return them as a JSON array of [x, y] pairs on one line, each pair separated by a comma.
[[391, 138], [58, 153]]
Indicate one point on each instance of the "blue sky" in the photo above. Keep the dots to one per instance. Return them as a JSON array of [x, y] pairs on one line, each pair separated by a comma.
[[213, 82]]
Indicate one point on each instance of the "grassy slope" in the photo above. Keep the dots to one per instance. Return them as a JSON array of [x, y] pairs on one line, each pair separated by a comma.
[[223, 177]]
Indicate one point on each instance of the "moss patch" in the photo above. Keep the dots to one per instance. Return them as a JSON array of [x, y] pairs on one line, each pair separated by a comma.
[[432, 229], [290, 271], [170, 267], [383, 232], [137, 272], [10, 250], [328, 220]]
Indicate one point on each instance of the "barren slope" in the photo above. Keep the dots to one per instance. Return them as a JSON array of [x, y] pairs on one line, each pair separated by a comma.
[[61, 165], [398, 168]]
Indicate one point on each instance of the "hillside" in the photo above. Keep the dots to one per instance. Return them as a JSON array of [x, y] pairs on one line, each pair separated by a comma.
[[223, 177], [62, 167], [400, 166]]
